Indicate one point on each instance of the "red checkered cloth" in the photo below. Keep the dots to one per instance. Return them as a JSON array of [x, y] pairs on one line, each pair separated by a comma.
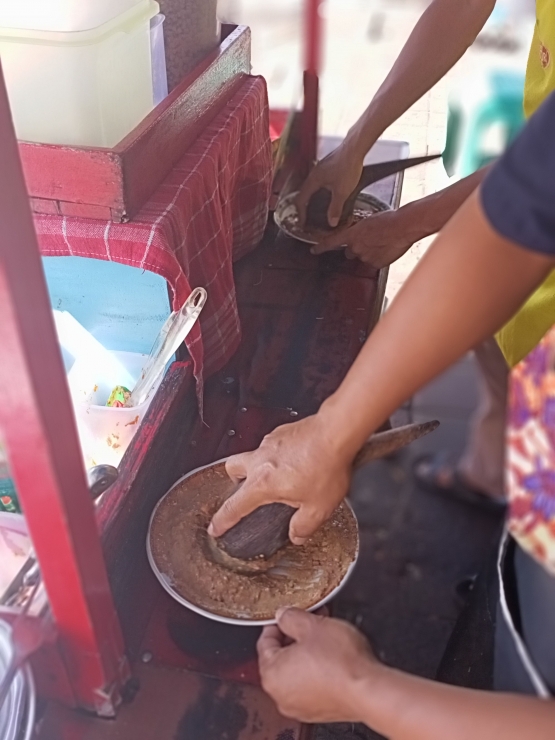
[[211, 210]]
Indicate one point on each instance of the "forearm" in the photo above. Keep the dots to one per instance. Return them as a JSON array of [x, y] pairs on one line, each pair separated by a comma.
[[469, 283], [405, 707], [429, 215], [443, 34]]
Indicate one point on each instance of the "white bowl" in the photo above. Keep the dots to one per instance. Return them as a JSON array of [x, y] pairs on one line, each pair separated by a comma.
[[167, 585]]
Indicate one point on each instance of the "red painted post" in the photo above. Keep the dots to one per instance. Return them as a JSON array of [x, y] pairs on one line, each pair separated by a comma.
[[38, 429], [313, 30], [312, 67]]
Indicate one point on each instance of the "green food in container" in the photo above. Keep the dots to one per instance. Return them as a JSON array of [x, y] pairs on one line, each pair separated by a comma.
[[8, 495]]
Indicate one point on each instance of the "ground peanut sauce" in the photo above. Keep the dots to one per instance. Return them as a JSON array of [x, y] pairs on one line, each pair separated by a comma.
[[291, 225], [178, 545]]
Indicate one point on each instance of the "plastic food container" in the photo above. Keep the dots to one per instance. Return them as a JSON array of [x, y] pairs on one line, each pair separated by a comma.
[[74, 83], [105, 433]]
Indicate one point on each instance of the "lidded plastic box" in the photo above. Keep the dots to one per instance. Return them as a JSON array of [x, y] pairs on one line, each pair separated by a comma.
[[78, 73], [61, 15]]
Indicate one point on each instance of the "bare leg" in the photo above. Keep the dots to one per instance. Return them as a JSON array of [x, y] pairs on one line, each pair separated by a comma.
[[478, 476], [482, 463]]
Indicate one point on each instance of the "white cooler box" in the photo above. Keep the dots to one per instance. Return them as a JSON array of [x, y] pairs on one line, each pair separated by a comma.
[[82, 75]]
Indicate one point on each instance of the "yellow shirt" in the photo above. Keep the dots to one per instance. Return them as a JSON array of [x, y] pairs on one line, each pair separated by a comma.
[[537, 316]]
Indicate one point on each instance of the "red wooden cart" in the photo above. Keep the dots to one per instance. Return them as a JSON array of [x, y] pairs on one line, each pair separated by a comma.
[[123, 661]]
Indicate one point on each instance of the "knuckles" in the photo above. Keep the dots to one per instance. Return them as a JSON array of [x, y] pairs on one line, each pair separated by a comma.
[[265, 472]]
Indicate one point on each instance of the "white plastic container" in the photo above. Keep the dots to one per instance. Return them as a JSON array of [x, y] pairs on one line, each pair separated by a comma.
[[89, 86], [61, 15], [105, 433]]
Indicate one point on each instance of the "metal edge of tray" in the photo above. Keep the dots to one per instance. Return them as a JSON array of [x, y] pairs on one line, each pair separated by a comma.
[[167, 586], [368, 199]]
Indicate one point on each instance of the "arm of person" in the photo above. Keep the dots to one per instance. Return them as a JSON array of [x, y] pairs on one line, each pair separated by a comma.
[[490, 257], [470, 282], [440, 38], [323, 670], [445, 31], [385, 237]]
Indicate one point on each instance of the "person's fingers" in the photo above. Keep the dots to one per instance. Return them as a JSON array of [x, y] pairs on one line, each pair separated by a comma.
[[337, 240], [304, 523], [302, 200], [269, 644], [295, 623], [301, 210], [349, 254], [336, 208], [235, 508], [237, 466]]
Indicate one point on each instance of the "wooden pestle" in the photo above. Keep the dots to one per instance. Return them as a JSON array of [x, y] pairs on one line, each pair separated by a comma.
[[317, 210], [266, 530]]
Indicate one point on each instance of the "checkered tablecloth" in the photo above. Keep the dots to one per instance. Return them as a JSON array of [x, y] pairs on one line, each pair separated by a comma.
[[210, 211]]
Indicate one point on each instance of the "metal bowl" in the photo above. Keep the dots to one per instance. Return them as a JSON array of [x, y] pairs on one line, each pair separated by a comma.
[[286, 212], [166, 583]]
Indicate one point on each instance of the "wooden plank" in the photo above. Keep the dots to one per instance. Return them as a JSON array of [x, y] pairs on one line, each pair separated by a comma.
[[85, 210], [42, 205], [150, 152], [73, 174], [302, 330], [123, 178], [279, 252]]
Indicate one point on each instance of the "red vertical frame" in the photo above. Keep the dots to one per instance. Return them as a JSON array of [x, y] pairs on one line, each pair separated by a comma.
[[312, 67], [41, 440]]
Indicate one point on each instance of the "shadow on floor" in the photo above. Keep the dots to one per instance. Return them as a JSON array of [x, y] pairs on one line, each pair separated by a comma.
[[415, 546]]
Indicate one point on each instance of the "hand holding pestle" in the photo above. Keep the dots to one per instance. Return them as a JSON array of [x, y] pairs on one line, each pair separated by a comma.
[[318, 206], [266, 530]]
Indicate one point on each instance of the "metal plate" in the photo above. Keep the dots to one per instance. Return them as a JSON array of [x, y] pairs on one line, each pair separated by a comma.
[[286, 211], [165, 581]]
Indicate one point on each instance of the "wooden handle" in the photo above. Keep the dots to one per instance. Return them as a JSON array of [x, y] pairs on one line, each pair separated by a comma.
[[386, 443], [266, 530]]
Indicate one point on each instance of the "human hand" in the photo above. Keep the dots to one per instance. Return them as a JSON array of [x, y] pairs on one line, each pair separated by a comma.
[[312, 667], [339, 172], [378, 240], [297, 464]]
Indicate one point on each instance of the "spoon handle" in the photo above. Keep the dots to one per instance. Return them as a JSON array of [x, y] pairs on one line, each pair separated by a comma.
[[174, 332]]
